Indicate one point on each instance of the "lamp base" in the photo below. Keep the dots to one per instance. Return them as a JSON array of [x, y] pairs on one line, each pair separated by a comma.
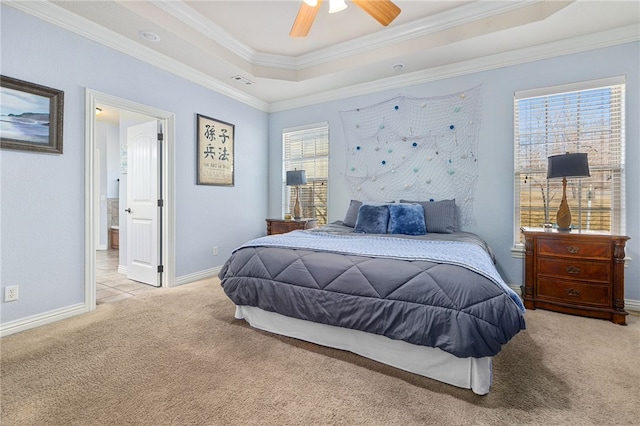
[[297, 209], [564, 214]]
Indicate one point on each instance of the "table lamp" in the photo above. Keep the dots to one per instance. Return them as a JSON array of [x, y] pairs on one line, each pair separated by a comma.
[[296, 178], [566, 166]]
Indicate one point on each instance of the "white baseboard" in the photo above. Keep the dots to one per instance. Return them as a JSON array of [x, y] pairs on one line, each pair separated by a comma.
[[185, 279], [70, 311], [516, 288], [632, 305], [41, 319], [197, 276]]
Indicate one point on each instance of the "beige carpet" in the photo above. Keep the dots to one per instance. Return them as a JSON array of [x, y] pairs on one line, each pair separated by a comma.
[[178, 357]]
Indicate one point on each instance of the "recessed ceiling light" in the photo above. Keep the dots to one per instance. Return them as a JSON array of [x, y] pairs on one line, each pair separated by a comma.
[[148, 35], [398, 67]]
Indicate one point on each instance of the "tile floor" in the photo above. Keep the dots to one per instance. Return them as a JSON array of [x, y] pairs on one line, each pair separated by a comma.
[[112, 286]]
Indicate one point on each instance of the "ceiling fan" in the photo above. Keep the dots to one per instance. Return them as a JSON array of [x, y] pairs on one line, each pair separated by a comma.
[[383, 11]]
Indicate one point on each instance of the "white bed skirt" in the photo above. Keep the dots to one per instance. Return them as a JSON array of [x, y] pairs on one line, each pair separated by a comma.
[[469, 373]]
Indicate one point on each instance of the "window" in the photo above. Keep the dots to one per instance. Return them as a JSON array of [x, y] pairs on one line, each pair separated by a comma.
[[583, 117], [307, 148]]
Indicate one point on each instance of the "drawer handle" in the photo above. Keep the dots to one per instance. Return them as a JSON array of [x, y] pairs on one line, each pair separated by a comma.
[[572, 292], [573, 249], [572, 270]]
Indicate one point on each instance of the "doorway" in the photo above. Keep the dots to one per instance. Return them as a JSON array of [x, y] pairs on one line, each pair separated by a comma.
[[97, 238]]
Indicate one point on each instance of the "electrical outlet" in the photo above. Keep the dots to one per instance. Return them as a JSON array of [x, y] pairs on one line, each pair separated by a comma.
[[215, 250], [10, 293]]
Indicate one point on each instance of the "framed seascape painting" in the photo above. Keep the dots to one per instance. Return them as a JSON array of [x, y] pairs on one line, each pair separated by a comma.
[[215, 140], [30, 116]]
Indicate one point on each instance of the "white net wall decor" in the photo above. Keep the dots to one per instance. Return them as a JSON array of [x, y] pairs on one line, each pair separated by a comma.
[[415, 149]]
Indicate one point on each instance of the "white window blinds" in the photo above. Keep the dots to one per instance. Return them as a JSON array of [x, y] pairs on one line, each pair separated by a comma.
[[583, 117], [307, 148]]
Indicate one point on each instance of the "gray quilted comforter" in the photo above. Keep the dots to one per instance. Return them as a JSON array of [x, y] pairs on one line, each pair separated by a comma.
[[465, 310]]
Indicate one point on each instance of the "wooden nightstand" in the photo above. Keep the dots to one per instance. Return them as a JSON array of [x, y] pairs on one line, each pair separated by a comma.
[[575, 273], [281, 226]]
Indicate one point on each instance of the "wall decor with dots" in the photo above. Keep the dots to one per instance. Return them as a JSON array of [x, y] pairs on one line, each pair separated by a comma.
[[415, 149]]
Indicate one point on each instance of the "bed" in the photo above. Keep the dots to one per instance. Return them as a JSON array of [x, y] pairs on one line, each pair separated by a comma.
[[384, 285]]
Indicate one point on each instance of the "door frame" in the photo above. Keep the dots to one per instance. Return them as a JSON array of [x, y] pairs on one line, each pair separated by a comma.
[[167, 231]]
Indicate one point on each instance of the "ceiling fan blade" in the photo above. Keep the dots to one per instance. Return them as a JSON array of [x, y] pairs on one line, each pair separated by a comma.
[[304, 20], [383, 11]]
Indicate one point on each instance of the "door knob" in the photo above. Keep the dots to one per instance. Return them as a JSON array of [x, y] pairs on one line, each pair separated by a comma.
[[127, 210]]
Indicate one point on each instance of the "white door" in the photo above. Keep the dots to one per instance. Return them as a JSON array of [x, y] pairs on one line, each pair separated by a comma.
[[143, 224]]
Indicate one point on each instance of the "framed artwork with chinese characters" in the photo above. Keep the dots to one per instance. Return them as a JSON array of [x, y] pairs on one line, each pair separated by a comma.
[[214, 141]]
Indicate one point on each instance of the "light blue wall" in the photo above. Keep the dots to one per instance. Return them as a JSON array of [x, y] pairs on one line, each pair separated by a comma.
[[494, 194], [42, 197]]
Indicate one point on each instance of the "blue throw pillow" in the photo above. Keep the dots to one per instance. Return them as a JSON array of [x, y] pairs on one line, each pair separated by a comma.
[[372, 219], [440, 216], [406, 219]]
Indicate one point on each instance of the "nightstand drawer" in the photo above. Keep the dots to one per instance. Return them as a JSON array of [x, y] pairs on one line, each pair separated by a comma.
[[575, 269], [284, 227], [574, 248], [573, 292], [281, 226]]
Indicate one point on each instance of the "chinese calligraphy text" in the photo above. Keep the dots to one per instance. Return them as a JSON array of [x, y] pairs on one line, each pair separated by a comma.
[[215, 140]]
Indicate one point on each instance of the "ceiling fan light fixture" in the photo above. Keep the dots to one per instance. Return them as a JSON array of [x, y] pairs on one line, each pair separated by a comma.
[[383, 11], [336, 6]]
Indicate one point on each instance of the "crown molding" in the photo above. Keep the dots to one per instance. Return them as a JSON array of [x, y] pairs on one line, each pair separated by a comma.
[[200, 23], [386, 37], [205, 26], [588, 42], [424, 27], [60, 17]]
